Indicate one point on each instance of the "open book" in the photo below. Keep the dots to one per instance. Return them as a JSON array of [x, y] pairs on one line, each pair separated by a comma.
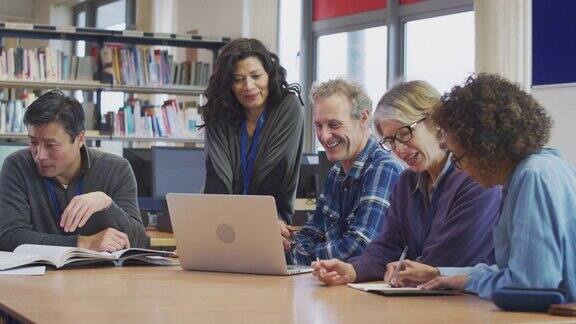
[[384, 289], [60, 256]]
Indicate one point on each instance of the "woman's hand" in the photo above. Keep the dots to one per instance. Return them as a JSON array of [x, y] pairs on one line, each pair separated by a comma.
[[411, 273], [451, 282]]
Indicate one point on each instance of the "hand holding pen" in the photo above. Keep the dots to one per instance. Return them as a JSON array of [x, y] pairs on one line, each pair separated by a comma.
[[409, 272], [392, 281], [333, 271]]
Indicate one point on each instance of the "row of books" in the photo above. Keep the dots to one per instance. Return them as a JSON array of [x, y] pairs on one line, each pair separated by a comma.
[[120, 65], [171, 120], [150, 67], [44, 64], [12, 113], [13, 106]]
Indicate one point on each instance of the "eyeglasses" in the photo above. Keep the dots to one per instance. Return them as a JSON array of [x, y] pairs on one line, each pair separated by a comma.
[[456, 160], [403, 135]]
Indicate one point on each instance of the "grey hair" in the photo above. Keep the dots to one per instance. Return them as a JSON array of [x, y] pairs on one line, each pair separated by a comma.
[[356, 95], [407, 102]]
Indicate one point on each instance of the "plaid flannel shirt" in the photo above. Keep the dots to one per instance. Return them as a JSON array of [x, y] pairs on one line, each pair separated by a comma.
[[352, 208]]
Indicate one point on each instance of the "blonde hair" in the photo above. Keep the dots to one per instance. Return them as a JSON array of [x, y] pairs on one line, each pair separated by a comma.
[[407, 102]]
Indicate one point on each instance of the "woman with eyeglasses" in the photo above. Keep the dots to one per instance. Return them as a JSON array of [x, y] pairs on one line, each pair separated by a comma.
[[436, 210], [498, 133]]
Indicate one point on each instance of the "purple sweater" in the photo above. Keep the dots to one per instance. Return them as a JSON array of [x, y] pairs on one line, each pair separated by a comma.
[[460, 233]]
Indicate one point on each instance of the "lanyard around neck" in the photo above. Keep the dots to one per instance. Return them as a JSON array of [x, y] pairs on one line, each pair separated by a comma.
[[50, 187], [423, 225], [249, 156]]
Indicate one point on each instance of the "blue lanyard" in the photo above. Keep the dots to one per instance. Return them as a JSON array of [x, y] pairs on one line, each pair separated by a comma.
[[423, 225], [249, 157], [54, 200]]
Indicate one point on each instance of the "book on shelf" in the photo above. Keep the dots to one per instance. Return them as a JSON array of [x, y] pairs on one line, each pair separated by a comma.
[[62, 256], [139, 119], [12, 113], [135, 66], [44, 64]]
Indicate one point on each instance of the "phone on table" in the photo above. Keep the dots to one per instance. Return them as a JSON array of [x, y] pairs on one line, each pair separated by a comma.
[[563, 309]]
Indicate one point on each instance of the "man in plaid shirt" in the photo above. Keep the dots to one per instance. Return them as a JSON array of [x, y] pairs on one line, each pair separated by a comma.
[[353, 204]]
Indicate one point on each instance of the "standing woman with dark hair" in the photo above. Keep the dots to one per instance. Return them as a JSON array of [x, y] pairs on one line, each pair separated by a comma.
[[254, 126]]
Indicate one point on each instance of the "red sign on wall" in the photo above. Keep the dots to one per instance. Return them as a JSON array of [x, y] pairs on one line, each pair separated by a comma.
[[327, 9]]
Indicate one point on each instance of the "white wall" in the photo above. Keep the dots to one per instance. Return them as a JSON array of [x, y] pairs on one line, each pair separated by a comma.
[[560, 101], [229, 18], [210, 17], [21, 10]]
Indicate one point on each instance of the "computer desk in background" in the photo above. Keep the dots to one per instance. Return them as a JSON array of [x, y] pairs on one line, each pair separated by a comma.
[[161, 240], [171, 295]]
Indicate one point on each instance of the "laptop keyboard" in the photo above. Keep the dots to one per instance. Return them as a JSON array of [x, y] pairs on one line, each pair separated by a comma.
[[298, 268]]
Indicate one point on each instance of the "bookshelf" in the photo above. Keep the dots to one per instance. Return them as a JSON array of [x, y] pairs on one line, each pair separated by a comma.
[[101, 37]]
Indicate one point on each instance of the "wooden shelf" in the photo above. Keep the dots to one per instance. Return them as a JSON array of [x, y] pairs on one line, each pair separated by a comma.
[[101, 37], [70, 33], [20, 136], [95, 85]]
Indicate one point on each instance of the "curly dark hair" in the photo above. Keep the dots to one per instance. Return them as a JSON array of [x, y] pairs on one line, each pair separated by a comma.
[[493, 120], [222, 106]]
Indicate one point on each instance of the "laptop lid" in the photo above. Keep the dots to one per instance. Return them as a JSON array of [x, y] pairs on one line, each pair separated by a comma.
[[227, 233]]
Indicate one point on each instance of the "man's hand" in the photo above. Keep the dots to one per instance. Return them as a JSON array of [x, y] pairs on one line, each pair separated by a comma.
[[109, 240], [451, 282], [81, 208], [411, 273], [286, 242], [333, 272]]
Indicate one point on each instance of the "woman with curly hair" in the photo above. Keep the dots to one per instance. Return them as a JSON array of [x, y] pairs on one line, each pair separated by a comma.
[[496, 133], [254, 126]]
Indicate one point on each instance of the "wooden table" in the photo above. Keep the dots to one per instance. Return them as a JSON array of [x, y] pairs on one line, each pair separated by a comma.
[[171, 295]]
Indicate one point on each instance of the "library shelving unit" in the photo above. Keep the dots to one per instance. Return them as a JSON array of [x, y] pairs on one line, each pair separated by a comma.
[[101, 37]]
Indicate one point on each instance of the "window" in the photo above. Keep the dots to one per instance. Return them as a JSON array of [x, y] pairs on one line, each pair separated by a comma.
[[80, 48], [111, 16], [440, 50], [103, 14], [378, 42], [359, 56], [290, 28], [81, 45]]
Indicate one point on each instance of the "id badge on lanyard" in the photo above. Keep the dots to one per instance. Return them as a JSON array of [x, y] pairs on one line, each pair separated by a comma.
[[248, 157], [50, 188]]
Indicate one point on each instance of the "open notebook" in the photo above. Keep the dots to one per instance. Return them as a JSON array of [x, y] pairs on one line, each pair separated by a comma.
[[61, 256], [384, 289]]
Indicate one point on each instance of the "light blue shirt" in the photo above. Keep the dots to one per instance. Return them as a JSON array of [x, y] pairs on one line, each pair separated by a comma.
[[535, 238]]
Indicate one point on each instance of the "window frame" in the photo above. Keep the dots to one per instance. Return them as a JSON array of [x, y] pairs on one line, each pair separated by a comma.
[[394, 16]]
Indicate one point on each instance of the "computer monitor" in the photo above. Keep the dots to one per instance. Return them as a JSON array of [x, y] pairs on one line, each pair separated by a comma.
[[178, 170], [324, 167], [141, 161], [308, 178]]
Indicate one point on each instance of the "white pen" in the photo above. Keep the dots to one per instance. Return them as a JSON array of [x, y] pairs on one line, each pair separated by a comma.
[[321, 268], [400, 261]]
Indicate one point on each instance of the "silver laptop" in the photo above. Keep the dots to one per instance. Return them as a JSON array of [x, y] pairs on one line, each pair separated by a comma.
[[228, 233]]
